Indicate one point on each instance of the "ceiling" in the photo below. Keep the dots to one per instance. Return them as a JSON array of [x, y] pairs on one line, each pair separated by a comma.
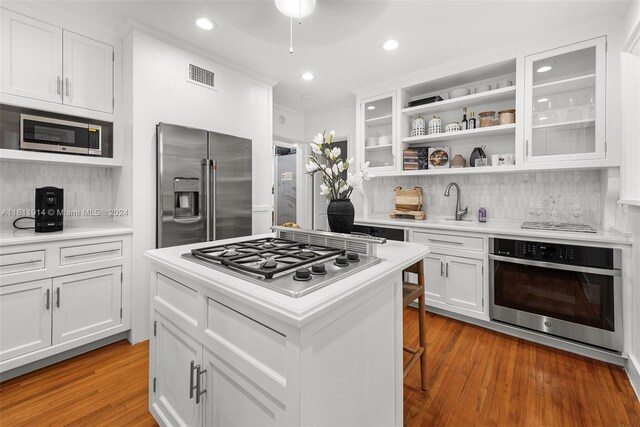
[[340, 43]]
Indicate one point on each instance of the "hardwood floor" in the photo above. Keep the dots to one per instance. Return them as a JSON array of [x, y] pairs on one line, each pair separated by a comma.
[[475, 377], [480, 377]]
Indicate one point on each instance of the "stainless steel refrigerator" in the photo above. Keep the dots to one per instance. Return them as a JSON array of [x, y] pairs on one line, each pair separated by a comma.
[[204, 186], [285, 189]]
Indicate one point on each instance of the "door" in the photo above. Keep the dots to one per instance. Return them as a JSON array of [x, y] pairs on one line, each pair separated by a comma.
[[565, 103], [173, 351], [434, 277], [231, 200], [233, 400], [25, 318], [463, 287], [86, 303], [320, 202], [87, 72], [31, 58], [377, 140], [181, 206], [285, 188]]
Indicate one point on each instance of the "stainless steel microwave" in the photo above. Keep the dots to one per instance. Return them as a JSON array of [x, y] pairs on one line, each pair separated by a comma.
[[61, 136]]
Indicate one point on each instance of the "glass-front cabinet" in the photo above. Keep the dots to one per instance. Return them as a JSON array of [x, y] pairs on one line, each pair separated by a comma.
[[378, 132], [565, 103]]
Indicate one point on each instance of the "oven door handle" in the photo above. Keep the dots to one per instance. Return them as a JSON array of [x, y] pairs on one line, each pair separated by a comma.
[[555, 266]]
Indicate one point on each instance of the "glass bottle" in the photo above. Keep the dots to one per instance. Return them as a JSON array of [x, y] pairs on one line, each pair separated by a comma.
[[482, 214], [463, 123], [472, 121]]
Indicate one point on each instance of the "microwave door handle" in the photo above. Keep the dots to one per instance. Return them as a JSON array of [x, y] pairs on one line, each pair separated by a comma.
[[212, 195], [556, 266], [204, 200]]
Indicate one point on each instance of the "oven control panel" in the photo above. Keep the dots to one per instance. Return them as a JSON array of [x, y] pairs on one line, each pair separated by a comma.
[[554, 252]]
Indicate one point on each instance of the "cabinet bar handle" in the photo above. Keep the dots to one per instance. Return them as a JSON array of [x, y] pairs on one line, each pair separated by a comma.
[[191, 386], [58, 81], [448, 242], [48, 299], [19, 263], [441, 268], [198, 392], [92, 253], [66, 88], [58, 297], [447, 269]]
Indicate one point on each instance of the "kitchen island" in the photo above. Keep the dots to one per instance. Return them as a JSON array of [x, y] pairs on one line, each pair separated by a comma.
[[226, 351]]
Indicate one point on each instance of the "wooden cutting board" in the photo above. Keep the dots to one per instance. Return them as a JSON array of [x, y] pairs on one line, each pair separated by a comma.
[[409, 200]]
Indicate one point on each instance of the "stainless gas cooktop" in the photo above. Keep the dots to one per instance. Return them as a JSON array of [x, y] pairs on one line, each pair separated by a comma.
[[287, 266]]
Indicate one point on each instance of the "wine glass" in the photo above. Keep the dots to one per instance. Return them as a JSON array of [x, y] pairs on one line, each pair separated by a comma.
[[573, 113], [576, 212]]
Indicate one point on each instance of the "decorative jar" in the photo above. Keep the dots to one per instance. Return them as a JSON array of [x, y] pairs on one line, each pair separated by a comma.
[[435, 125], [418, 126]]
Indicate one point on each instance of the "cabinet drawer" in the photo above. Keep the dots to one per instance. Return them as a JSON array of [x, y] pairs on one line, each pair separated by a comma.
[[88, 253], [177, 298], [23, 261], [448, 241]]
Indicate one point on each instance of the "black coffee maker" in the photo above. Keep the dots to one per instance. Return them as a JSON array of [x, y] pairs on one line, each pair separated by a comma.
[[49, 209]]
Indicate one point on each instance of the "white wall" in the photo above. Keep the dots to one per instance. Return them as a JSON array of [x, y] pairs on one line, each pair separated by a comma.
[[241, 106], [288, 125], [628, 218]]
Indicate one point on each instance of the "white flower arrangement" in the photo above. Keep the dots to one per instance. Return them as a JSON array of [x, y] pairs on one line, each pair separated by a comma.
[[332, 168]]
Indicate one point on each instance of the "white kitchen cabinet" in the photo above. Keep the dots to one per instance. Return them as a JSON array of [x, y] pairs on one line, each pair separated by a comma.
[[86, 303], [174, 375], [564, 117], [88, 73], [44, 62], [231, 399], [463, 284], [31, 58], [25, 318], [376, 141], [434, 276]]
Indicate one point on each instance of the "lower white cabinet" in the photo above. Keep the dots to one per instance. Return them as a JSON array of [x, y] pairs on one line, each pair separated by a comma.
[[174, 374], [454, 280], [25, 318], [86, 303]]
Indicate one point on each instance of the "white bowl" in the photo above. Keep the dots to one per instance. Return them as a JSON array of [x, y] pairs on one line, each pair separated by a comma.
[[503, 84], [372, 141], [384, 140], [456, 93], [482, 88]]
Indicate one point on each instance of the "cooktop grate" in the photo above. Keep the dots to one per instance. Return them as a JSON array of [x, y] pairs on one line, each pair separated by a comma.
[[266, 257]]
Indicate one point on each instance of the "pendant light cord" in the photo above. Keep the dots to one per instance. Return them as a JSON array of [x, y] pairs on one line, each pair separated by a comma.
[[291, 36]]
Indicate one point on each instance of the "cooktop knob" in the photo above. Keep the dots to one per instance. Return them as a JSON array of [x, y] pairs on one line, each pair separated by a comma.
[[342, 261], [353, 257], [302, 274], [318, 269]]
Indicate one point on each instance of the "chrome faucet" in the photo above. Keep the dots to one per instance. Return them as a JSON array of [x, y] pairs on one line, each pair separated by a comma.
[[459, 212]]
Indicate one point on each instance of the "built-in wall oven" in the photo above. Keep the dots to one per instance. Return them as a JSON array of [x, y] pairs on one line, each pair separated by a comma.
[[568, 291]]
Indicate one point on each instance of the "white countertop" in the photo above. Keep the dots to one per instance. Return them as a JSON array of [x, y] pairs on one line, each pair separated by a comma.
[[500, 228], [297, 311], [72, 230]]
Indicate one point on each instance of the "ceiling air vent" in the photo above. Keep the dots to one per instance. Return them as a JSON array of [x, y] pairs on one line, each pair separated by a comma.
[[202, 77]]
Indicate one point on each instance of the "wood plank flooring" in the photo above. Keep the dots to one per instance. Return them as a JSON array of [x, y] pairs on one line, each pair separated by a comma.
[[475, 377]]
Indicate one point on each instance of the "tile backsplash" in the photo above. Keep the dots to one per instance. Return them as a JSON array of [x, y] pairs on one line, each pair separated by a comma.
[[87, 189], [507, 196]]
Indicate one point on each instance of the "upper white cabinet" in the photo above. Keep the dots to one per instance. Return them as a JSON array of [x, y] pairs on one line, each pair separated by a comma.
[[377, 125], [565, 103], [44, 62]]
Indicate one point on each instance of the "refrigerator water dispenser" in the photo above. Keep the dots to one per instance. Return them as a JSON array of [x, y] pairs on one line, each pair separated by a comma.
[[186, 198]]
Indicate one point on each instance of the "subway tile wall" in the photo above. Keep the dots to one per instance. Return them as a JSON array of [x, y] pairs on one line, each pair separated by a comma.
[[507, 196], [87, 190]]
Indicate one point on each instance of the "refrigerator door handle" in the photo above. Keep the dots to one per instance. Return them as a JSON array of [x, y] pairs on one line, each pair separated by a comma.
[[204, 201], [212, 194]]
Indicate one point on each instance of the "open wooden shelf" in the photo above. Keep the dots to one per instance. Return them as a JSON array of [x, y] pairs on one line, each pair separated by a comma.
[[463, 134], [64, 159], [495, 95], [462, 171]]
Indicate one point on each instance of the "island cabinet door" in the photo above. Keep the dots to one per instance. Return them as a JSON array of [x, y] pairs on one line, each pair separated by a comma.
[[463, 287], [176, 364], [232, 399], [434, 277]]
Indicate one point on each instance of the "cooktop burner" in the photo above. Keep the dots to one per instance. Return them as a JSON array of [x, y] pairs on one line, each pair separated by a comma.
[[286, 266]]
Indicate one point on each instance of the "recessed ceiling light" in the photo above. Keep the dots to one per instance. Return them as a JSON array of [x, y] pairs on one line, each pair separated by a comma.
[[307, 76], [390, 45], [544, 69], [371, 107], [305, 96], [204, 23], [543, 99]]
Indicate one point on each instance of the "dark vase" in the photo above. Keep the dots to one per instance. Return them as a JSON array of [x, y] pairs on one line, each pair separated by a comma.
[[340, 214], [477, 153]]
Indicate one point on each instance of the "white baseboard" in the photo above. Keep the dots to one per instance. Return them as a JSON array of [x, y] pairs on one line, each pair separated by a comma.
[[633, 371]]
